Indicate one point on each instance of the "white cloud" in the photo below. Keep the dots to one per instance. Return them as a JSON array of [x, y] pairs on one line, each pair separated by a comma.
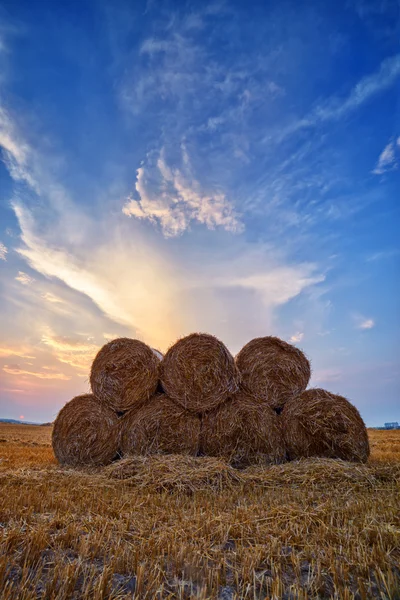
[[3, 251], [387, 160], [174, 199], [16, 152], [335, 108], [362, 322], [24, 278], [52, 298], [367, 324], [297, 337]]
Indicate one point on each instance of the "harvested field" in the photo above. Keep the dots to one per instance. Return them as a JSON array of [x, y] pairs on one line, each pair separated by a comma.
[[185, 527]]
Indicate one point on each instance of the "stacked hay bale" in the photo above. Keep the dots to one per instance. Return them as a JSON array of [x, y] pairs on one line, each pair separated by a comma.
[[273, 371], [86, 433], [243, 432], [319, 423], [124, 375], [196, 374], [199, 400]]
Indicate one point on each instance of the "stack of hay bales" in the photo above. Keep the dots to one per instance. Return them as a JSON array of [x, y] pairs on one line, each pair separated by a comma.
[[199, 400], [124, 375], [314, 422]]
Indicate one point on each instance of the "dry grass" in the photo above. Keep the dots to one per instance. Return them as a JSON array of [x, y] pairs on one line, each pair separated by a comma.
[[184, 527]]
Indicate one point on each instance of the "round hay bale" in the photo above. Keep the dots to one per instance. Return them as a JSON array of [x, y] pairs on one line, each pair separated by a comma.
[[243, 432], [160, 427], [272, 370], [319, 423], [124, 373], [199, 372], [85, 433]]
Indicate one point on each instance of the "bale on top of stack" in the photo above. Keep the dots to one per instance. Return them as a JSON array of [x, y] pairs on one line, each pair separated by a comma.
[[199, 373], [244, 432], [319, 423], [273, 371], [124, 373], [160, 427], [86, 432]]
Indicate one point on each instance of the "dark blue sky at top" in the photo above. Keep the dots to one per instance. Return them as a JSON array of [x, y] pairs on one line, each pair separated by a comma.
[[284, 108]]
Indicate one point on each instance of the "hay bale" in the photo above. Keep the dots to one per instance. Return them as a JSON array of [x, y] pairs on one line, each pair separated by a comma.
[[319, 423], [272, 370], [160, 427], [243, 432], [124, 373], [85, 433], [199, 372]]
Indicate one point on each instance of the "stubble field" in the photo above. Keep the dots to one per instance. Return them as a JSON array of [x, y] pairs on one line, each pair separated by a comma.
[[175, 527]]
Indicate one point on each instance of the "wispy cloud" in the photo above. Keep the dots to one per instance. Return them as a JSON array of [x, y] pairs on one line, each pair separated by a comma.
[[174, 199], [297, 337], [3, 251], [21, 351], [52, 298], [387, 159], [362, 322], [333, 109], [17, 370], [78, 352], [24, 278], [16, 152]]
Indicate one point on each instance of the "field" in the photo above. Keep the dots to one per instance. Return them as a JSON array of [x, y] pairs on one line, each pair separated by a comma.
[[174, 527]]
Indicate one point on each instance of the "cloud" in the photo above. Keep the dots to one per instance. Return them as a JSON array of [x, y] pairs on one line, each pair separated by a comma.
[[52, 298], [21, 351], [24, 278], [297, 337], [387, 159], [333, 109], [367, 324], [3, 251], [17, 370], [17, 153], [362, 322], [78, 352], [174, 199]]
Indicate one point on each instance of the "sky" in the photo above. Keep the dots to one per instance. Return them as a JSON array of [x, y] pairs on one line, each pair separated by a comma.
[[225, 167]]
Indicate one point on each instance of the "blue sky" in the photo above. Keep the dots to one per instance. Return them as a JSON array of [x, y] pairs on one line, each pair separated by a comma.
[[172, 167]]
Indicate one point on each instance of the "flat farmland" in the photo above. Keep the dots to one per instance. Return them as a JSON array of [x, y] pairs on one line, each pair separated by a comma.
[[181, 527]]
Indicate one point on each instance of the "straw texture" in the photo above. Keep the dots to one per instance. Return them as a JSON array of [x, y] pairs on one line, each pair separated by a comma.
[[273, 371], [319, 423], [124, 373], [199, 372], [160, 427], [85, 433]]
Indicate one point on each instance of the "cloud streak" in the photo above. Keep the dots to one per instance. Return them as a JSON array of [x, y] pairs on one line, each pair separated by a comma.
[[336, 108]]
